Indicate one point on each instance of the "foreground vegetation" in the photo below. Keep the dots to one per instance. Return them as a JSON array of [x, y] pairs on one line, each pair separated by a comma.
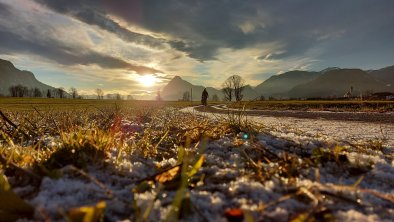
[[55, 104], [87, 160]]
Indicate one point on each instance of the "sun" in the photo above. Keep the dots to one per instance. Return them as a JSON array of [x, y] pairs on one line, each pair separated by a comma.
[[147, 80]]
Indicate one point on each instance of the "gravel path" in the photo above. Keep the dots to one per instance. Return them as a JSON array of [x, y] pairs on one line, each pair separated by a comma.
[[342, 116], [375, 126]]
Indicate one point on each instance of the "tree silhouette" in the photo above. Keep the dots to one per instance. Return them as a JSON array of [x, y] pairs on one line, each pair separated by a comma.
[[37, 92], [234, 83], [61, 92], [74, 92], [100, 93]]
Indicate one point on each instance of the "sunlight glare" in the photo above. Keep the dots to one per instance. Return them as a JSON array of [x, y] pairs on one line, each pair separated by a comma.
[[147, 80]]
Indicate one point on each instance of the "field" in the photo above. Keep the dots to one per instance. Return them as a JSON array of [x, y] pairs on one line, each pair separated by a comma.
[[106, 160], [320, 105]]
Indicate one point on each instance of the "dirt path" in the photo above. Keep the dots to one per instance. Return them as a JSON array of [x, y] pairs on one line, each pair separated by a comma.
[[387, 118]]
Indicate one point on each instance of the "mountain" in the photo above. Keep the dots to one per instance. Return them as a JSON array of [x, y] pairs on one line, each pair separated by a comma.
[[177, 86], [11, 76], [385, 75], [336, 82], [279, 85], [249, 93]]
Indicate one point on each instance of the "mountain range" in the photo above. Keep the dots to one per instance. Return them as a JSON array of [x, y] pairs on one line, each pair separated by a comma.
[[11, 76], [330, 82]]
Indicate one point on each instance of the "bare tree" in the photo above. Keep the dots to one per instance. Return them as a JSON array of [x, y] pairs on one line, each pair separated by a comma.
[[118, 96], [234, 83], [74, 92], [13, 91], [100, 93], [54, 93], [238, 84], [19, 91], [30, 92], [37, 92], [109, 96], [228, 89], [61, 92]]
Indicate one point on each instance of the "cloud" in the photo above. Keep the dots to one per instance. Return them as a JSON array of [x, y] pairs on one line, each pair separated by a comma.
[[19, 35], [53, 50], [201, 28], [198, 29], [5, 9], [203, 40], [91, 13]]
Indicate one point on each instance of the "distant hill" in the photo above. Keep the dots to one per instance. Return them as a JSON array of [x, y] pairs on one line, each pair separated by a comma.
[[177, 86], [330, 82], [249, 93], [337, 82], [279, 85], [385, 75], [11, 76]]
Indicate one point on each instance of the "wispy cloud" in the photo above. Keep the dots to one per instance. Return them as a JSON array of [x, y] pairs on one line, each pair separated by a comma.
[[205, 40]]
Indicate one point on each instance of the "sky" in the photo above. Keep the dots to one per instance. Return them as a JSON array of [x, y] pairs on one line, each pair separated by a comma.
[[113, 44]]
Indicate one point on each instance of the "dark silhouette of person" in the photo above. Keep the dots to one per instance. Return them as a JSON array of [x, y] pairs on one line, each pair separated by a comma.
[[204, 97]]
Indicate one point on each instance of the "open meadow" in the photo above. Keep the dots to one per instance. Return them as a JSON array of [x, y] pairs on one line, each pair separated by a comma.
[[320, 105], [109, 160]]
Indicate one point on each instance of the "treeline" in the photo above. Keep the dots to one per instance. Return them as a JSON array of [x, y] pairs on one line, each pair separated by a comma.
[[72, 93], [24, 91]]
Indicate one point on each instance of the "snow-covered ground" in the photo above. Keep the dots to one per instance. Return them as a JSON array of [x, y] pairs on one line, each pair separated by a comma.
[[288, 134], [232, 176], [349, 131]]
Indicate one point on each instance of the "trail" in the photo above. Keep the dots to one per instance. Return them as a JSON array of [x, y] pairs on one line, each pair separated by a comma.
[[340, 130]]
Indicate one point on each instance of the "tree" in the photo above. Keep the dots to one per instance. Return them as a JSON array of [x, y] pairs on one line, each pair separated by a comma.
[[227, 90], [130, 97], [186, 96], [18, 91], [61, 92], [54, 93], [100, 94], [13, 91], [238, 84], [30, 92], [49, 95], [118, 96], [37, 92], [74, 93], [234, 83]]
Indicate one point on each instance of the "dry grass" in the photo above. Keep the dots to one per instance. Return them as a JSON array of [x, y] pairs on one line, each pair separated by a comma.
[[318, 105], [36, 143]]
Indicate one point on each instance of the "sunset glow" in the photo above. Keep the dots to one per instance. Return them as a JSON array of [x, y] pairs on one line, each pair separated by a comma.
[[147, 80], [132, 46]]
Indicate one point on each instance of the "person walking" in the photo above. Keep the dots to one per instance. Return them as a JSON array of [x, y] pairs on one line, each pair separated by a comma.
[[204, 97]]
